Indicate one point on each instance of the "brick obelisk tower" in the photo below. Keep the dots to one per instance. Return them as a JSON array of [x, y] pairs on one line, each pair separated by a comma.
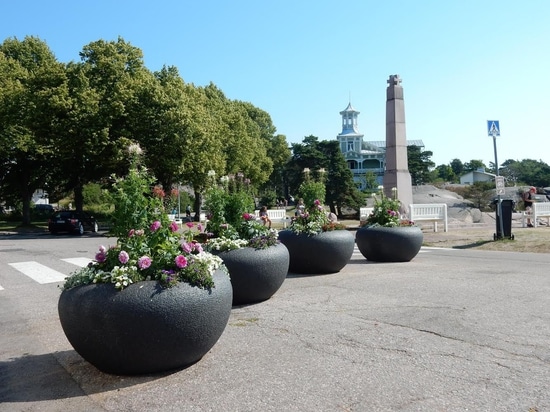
[[397, 173]]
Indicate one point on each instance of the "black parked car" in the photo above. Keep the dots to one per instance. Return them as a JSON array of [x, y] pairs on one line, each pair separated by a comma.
[[71, 221]]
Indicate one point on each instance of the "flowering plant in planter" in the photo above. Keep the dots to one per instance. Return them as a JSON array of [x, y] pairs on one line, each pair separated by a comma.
[[313, 221], [249, 233], [386, 212], [149, 247], [230, 224]]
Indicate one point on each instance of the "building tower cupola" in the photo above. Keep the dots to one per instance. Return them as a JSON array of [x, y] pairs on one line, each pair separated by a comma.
[[349, 120]]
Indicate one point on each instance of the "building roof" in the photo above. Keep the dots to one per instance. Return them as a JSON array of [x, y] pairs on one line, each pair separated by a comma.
[[349, 109], [382, 143]]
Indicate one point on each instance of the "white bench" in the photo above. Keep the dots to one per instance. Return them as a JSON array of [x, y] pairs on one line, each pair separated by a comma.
[[539, 210], [432, 212], [173, 218], [275, 215], [364, 212]]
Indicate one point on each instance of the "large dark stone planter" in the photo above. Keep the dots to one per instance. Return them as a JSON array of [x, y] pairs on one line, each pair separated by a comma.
[[389, 244], [145, 328], [327, 252], [256, 274]]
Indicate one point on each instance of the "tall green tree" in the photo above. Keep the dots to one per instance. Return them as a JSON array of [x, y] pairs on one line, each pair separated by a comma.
[[419, 164], [324, 162], [279, 152], [457, 166], [33, 99], [96, 130], [527, 172], [474, 165], [446, 173]]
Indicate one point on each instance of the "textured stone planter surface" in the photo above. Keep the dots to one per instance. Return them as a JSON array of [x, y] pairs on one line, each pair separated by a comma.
[[256, 274], [327, 252], [389, 244], [145, 328]]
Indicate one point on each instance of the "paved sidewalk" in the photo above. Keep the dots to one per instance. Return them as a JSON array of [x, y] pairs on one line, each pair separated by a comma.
[[452, 330]]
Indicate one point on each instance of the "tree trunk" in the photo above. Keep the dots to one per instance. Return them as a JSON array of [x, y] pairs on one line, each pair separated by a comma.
[[197, 206], [26, 211], [78, 198]]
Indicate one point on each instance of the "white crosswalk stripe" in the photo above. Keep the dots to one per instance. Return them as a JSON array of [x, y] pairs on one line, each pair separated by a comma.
[[79, 261], [39, 272], [43, 274]]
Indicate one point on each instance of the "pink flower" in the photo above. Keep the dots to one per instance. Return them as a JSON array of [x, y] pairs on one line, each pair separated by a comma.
[[189, 224], [131, 233], [155, 226], [174, 227], [190, 247], [139, 232], [102, 249], [100, 257], [199, 227], [181, 261], [317, 202], [144, 262], [197, 247], [187, 247], [123, 257]]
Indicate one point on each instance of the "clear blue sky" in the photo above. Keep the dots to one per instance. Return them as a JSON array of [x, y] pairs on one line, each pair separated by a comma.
[[462, 62]]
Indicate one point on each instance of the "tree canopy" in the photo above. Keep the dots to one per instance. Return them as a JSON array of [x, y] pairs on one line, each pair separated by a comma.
[[66, 125]]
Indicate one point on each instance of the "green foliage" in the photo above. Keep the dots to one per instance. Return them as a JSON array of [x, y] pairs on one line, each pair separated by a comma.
[[526, 172], [371, 182], [237, 203], [386, 212], [326, 164], [148, 246], [310, 222], [268, 198], [33, 100], [226, 206], [481, 193], [96, 198], [311, 191], [446, 174], [419, 164], [135, 205], [473, 165]]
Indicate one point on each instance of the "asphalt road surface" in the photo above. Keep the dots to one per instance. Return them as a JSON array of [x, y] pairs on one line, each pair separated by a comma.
[[452, 330]]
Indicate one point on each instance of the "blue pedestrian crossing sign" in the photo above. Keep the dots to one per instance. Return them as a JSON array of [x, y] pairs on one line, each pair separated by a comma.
[[493, 128]]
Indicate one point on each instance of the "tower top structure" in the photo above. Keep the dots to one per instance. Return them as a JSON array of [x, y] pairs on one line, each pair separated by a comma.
[[349, 120]]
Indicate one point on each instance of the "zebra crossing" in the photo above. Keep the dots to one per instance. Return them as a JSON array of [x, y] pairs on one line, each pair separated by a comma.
[[43, 274]]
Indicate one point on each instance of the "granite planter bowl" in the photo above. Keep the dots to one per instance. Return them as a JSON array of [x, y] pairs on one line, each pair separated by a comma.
[[256, 274], [145, 328], [326, 252], [389, 244]]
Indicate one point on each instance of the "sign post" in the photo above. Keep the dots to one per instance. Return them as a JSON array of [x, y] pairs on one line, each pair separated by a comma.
[[493, 129]]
